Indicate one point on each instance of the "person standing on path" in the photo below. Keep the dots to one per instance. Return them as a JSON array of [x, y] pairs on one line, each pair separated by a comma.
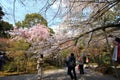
[[71, 63], [81, 65], [40, 62]]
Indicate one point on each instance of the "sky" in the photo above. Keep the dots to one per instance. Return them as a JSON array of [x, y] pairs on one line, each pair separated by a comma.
[[31, 6], [21, 9]]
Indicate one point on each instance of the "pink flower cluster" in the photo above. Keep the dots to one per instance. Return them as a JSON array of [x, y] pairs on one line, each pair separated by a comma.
[[35, 33]]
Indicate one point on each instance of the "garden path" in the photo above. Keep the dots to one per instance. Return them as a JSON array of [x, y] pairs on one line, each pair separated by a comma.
[[61, 74]]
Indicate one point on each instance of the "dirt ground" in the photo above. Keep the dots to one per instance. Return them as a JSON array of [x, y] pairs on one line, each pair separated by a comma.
[[61, 74]]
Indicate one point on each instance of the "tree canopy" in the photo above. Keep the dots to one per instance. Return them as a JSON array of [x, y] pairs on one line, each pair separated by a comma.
[[87, 18], [1, 13], [4, 26], [31, 20]]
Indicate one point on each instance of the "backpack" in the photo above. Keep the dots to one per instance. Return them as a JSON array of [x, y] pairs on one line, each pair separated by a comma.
[[72, 63]]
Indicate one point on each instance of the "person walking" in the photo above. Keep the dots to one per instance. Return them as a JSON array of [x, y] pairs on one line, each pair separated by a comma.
[[71, 63], [40, 67]]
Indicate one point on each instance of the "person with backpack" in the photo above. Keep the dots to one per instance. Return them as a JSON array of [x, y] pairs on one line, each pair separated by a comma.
[[71, 64]]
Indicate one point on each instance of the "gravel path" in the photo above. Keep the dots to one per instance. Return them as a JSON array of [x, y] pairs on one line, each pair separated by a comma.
[[61, 74]]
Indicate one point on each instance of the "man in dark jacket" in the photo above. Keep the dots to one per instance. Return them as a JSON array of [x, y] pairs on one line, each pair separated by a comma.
[[71, 63]]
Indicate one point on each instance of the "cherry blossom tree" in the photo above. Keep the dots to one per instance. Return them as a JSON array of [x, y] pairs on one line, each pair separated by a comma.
[[35, 33]]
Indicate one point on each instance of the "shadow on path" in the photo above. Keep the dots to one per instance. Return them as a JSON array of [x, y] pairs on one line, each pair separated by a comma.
[[62, 75]]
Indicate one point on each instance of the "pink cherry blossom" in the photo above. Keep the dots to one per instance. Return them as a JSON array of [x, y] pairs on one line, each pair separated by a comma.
[[35, 33]]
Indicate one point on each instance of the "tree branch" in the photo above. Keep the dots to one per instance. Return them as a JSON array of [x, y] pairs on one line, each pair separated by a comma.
[[96, 29]]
